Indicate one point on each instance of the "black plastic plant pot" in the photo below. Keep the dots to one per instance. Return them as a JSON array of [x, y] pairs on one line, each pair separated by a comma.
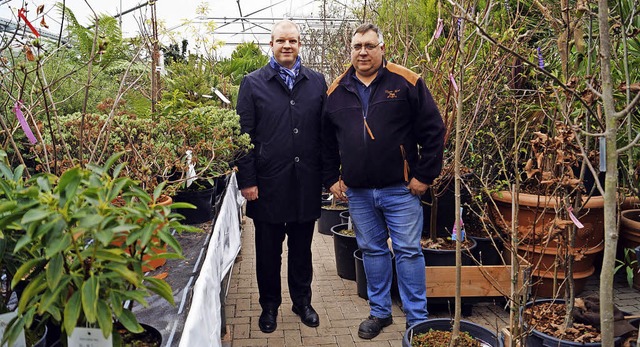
[[344, 246], [330, 216], [485, 336], [202, 199], [447, 257], [344, 216], [361, 276], [149, 335], [486, 251], [536, 338]]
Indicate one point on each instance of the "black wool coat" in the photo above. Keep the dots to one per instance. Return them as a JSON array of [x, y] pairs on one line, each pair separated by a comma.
[[285, 162]]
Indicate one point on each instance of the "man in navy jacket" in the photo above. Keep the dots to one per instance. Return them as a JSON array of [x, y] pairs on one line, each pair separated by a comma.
[[382, 147], [280, 106]]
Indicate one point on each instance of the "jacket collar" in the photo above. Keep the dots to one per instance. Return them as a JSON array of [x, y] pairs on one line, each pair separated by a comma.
[[347, 78]]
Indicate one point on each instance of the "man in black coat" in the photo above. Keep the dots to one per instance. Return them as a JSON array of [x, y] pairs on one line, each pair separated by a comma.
[[280, 107]]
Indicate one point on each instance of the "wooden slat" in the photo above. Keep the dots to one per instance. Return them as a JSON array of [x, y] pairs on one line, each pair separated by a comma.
[[477, 281]]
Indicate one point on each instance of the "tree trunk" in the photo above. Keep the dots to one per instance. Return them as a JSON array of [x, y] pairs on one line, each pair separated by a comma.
[[611, 179]]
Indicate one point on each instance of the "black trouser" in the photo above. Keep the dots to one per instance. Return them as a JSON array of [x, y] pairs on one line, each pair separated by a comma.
[[269, 238]]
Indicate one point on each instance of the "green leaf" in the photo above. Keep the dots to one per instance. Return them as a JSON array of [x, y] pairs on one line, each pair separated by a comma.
[[6, 171], [54, 270], [68, 183], [90, 290], [171, 241], [105, 321], [130, 276], [72, 313], [25, 269], [31, 293], [58, 245], [110, 254], [35, 215], [161, 288], [51, 297], [177, 205], [8, 206], [129, 321]]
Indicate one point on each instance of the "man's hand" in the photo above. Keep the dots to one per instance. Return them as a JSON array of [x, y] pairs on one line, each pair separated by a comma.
[[338, 190], [250, 193], [417, 188]]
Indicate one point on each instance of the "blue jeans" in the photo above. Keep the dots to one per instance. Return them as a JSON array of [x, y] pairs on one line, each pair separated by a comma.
[[373, 210]]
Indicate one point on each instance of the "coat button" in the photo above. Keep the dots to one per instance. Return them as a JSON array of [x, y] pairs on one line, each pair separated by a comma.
[[292, 102], [295, 130], [296, 159]]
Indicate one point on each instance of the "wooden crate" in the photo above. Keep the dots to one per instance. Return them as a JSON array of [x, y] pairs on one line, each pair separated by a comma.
[[477, 280]]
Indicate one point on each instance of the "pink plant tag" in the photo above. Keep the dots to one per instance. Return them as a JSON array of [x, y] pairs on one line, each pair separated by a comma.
[[574, 219], [439, 28], [453, 82], [24, 124]]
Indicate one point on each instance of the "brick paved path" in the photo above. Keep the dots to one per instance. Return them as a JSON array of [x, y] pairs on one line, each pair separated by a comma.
[[338, 305]]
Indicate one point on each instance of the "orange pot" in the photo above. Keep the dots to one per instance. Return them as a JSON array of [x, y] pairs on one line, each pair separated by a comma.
[[149, 265]]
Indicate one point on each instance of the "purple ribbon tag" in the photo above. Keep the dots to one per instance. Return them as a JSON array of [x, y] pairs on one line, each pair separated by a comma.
[[439, 28], [574, 219], [453, 82], [23, 123]]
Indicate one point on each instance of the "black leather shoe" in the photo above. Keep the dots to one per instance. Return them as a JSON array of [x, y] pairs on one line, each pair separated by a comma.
[[308, 315], [267, 321], [372, 326]]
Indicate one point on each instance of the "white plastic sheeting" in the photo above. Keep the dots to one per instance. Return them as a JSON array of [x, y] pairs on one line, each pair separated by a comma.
[[202, 327]]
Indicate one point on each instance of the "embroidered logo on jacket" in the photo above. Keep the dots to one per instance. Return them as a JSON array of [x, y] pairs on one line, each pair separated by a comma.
[[392, 94]]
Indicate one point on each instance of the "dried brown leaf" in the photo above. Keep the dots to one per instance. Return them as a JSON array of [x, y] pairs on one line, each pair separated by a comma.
[[39, 9]]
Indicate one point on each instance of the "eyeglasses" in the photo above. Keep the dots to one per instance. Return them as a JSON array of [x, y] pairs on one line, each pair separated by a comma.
[[368, 46]]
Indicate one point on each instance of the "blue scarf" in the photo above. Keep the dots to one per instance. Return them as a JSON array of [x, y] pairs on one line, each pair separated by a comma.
[[287, 75]]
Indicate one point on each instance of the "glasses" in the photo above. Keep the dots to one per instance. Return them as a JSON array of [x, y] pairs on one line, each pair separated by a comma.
[[368, 46]]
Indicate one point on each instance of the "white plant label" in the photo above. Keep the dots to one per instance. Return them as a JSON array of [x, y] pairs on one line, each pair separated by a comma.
[[88, 337], [5, 318]]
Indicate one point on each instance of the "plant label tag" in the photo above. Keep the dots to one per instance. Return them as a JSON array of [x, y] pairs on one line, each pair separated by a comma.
[[5, 318], [88, 337]]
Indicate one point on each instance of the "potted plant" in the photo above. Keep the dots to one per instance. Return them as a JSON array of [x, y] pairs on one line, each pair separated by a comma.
[[344, 244], [13, 205], [78, 277], [330, 214], [205, 140]]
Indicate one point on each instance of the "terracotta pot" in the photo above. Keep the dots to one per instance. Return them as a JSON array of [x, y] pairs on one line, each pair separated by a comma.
[[630, 228], [548, 258], [538, 212], [542, 282]]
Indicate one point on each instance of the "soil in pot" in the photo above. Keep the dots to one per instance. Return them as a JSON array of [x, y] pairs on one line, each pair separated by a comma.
[[438, 333], [442, 252], [547, 317], [435, 338]]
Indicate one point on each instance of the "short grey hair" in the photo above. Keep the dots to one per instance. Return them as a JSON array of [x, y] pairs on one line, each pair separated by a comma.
[[362, 29]]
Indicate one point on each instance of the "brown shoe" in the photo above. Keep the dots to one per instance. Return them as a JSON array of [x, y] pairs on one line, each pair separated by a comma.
[[372, 326]]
